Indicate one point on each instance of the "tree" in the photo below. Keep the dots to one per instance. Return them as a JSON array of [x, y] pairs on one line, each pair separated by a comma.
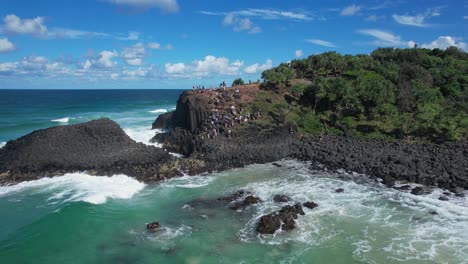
[[238, 82]]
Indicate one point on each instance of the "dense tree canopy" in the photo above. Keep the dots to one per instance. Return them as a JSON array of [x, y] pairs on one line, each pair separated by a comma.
[[391, 92]]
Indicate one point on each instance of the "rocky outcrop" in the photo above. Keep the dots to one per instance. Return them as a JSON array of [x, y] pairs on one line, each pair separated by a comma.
[[98, 147], [191, 111], [283, 219], [164, 121], [442, 165]]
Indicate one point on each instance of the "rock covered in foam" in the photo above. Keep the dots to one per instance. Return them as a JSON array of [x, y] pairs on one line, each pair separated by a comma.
[[99, 147]]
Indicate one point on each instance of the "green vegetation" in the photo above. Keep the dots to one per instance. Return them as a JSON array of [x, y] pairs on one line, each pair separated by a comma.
[[391, 93], [237, 82]]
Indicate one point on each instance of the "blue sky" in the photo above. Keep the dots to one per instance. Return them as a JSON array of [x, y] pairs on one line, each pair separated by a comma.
[[104, 44]]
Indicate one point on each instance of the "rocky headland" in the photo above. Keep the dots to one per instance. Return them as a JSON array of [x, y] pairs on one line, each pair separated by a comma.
[[217, 130]]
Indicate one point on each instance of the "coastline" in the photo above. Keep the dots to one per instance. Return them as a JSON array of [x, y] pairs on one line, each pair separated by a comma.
[[434, 165]]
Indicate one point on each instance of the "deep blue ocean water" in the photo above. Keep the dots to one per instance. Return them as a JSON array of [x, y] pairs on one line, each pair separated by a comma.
[[22, 111]]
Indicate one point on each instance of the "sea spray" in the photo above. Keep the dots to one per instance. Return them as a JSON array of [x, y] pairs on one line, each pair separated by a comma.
[[158, 111], [61, 120], [73, 187]]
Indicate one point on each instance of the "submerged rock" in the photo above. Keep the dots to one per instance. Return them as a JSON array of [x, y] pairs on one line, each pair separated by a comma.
[[339, 190], [241, 205], [234, 196], [310, 205], [153, 226], [280, 198]]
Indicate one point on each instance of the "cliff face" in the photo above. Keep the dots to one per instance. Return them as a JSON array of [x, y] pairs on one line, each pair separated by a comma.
[[254, 142], [192, 110]]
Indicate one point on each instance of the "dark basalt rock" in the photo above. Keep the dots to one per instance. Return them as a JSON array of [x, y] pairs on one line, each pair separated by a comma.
[[443, 198], [339, 190], [99, 147], [280, 198], [153, 226], [310, 205], [277, 165], [406, 187], [164, 121], [241, 205], [234, 196], [284, 219], [417, 191]]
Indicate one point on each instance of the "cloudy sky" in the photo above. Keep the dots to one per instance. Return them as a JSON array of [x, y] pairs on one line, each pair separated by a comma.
[[104, 44]]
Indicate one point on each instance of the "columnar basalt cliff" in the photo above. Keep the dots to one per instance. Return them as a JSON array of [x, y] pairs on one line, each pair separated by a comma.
[[443, 165]]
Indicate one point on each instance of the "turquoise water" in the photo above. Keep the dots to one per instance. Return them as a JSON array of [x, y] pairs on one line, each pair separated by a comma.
[[78, 218]]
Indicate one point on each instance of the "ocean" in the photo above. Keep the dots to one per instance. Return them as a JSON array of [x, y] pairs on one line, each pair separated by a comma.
[[79, 218]]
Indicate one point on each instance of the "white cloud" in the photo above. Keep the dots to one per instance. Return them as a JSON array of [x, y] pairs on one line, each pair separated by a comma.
[[7, 68], [35, 26], [141, 72], [418, 20], [6, 45], [298, 53], [154, 45], [444, 42], [132, 35], [209, 66], [321, 43], [257, 68], [374, 18], [158, 46], [169, 6], [465, 17], [350, 10], [102, 61], [241, 24], [384, 38], [266, 14], [134, 55]]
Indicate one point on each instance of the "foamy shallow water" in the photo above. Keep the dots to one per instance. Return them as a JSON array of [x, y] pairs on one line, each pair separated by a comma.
[[367, 223]]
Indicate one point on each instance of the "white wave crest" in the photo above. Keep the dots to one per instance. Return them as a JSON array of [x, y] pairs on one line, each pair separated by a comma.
[[61, 120], [79, 186], [188, 182], [2, 144], [144, 135], [158, 111]]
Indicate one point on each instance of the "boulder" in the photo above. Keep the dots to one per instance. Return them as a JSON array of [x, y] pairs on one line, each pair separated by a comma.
[[280, 198], [283, 219], [417, 191], [310, 205], [339, 190], [153, 226], [247, 201]]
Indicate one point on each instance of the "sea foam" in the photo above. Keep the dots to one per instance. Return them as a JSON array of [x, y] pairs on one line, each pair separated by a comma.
[[61, 120], [79, 186], [2, 144], [158, 111]]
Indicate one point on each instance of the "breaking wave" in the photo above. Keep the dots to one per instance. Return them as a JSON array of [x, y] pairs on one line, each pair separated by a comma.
[[79, 186]]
